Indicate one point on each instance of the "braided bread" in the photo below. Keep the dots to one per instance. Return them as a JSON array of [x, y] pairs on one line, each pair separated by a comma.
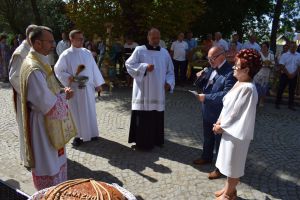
[[86, 189]]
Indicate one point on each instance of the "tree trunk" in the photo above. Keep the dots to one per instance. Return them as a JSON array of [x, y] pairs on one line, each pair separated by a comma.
[[36, 12], [275, 24]]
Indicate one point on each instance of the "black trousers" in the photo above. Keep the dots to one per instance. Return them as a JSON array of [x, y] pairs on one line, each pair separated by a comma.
[[147, 129], [180, 69], [211, 141], [283, 82]]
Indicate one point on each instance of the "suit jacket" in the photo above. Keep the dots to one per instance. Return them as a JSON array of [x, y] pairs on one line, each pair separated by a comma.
[[214, 92]]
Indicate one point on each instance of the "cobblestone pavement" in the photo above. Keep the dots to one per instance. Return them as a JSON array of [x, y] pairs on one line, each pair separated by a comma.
[[272, 170]]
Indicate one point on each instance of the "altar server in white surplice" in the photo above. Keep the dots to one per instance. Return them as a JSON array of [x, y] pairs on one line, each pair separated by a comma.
[[45, 114], [14, 78], [236, 122], [82, 106], [152, 69]]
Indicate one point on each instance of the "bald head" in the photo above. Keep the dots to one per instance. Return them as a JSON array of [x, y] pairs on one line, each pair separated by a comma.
[[153, 31], [216, 56], [218, 35], [154, 37], [216, 50]]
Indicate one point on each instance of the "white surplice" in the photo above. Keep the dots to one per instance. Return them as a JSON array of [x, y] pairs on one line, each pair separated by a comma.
[[14, 77], [82, 105], [237, 120], [42, 100], [148, 87]]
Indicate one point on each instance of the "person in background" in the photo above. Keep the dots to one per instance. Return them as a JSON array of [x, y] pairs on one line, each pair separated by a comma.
[[219, 41], [262, 78], [179, 50], [290, 66], [231, 53], [91, 47], [162, 44], [236, 122], [235, 39], [207, 43], [277, 70], [251, 44], [101, 48], [192, 43], [15, 64], [4, 57], [14, 44], [128, 49], [63, 44], [20, 38]]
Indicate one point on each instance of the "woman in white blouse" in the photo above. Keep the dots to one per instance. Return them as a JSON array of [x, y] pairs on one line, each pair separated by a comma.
[[236, 122], [262, 78]]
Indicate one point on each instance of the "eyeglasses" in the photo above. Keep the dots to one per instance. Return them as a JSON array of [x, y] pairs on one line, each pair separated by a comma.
[[79, 39], [211, 59], [238, 67], [50, 41]]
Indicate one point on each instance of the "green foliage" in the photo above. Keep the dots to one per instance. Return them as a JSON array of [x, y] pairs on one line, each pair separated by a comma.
[[91, 16], [15, 15], [290, 16], [53, 14], [232, 15], [134, 18]]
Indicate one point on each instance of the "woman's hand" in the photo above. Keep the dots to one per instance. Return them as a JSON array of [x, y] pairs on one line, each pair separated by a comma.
[[217, 128]]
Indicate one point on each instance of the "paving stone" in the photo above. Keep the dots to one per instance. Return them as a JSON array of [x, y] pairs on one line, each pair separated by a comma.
[[272, 168]]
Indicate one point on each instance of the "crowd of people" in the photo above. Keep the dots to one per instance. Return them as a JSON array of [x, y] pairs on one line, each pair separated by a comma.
[[56, 103]]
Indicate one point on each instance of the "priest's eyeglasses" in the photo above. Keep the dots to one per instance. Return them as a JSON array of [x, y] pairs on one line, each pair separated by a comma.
[[50, 41]]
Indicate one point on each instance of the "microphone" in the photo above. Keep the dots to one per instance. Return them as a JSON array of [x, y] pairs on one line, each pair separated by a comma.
[[200, 79]]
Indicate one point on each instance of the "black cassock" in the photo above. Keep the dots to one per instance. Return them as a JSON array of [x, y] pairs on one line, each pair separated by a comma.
[[147, 129]]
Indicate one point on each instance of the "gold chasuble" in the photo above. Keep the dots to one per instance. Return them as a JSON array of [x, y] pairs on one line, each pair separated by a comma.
[[59, 131]]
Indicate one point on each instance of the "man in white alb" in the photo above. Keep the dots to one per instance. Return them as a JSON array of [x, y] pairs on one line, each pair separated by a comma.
[[14, 77], [63, 44], [152, 69], [83, 104]]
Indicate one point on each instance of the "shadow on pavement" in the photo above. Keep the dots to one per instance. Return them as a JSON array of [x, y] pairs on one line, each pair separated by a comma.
[[273, 163], [76, 170], [123, 157]]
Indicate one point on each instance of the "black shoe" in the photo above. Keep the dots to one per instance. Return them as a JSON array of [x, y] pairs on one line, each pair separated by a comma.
[[137, 148], [77, 142], [292, 108], [95, 138], [160, 145]]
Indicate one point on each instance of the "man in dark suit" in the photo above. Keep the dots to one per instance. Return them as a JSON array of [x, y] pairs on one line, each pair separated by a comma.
[[216, 82]]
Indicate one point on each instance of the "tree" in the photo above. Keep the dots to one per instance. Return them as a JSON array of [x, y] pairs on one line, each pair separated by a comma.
[[36, 12], [11, 11], [133, 17], [54, 16], [285, 18], [242, 16], [275, 23]]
